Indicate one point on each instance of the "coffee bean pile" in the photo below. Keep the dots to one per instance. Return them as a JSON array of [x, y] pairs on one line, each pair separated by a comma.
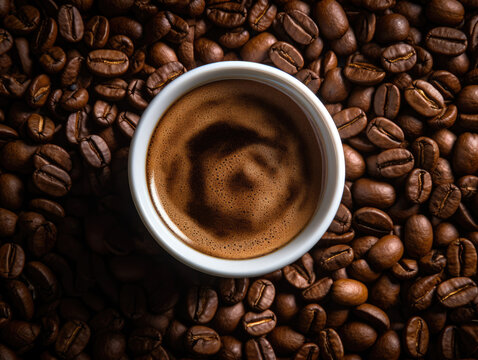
[[394, 276]]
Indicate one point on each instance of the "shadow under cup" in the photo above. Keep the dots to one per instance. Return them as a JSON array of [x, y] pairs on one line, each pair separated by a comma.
[[333, 168]]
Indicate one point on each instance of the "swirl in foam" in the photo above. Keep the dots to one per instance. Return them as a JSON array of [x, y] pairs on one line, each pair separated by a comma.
[[234, 168]]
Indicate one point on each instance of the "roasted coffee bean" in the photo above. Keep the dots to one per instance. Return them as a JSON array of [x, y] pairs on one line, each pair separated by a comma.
[[350, 122], [309, 79], [7, 41], [336, 257], [392, 28], [261, 295], [286, 57], [311, 319], [201, 304], [112, 90], [50, 154], [39, 91], [393, 163], [418, 186], [21, 298], [285, 340], [416, 337], [201, 340], [444, 200], [331, 18], [121, 43], [77, 127], [418, 236], [261, 15], [384, 133], [464, 154], [72, 338], [330, 344], [259, 349], [96, 32], [349, 292], [424, 98], [386, 101], [233, 291], [357, 336], [457, 292], [46, 35], [398, 58], [40, 129], [227, 318], [127, 122], [335, 87], [461, 258], [234, 38], [364, 74], [446, 41], [104, 113], [208, 51], [74, 100], [226, 14], [426, 153], [421, 292], [163, 76], [107, 63], [300, 27], [372, 221], [309, 351], [20, 334], [12, 260], [70, 23], [52, 180], [317, 291], [257, 324], [301, 273], [95, 151], [373, 315], [25, 20], [53, 60], [43, 279], [354, 163], [385, 252]]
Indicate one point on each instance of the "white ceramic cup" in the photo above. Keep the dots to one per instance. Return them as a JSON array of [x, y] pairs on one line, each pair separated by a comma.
[[333, 166]]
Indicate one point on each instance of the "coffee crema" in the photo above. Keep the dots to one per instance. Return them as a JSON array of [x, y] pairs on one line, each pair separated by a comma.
[[234, 169]]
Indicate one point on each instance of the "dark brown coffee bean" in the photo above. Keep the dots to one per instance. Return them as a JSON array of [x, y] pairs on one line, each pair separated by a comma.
[[50, 154], [46, 36], [308, 351], [350, 122], [300, 27], [97, 32], [21, 298], [445, 119], [301, 273], [72, 338], [392, 28], [465, 154], [136, 94], [8, 223], [385, 253], [201, 304], [372, 221], [74, 100], [127, 122], [53, 60], [421, 292], [424, 98], [286, 57], [112, 90], [232, 290], [331, 18], [426, 153], [461, 258], [5, 313], [364, 74], [446, 41], [311, 319], [448, 13], [77, 127], [330, 345], [234, 38], [258, 324], [336, 257], [261, 295], [349, 292], [456, 292], [261, 15], [23, 21], [309, 79], [384, 133], [285, 340], [335, 87], [201, 340], [70, 23], [354, 163], [208, 51], [163, 76], [41, 129], [104, 113], [259, 349], [52, 180], [443, 173], [121, 43], [12, 260], [416, 337], [227, 318], [20, 334], [448, 343], [39, 91], [394, 163], [405, 269], [357, 336], [7, 41], [444, 200], [43, 279], [226, 14], [107, 63], [386, 101], [95, 151], [418, 236], [373, 315], [398, 58], [318, 290], [361, 97], [418, 186]]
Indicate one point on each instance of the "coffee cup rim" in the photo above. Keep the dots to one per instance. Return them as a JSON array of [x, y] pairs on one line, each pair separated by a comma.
[[333, 164]]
